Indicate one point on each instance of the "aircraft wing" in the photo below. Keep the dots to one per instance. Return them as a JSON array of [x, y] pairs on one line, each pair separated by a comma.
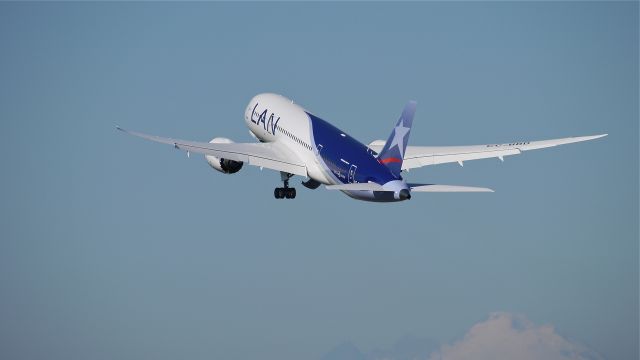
[[419, 156], [268, 155]]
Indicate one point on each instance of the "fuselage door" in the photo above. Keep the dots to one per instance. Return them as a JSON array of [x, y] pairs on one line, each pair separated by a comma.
[[351, 176]]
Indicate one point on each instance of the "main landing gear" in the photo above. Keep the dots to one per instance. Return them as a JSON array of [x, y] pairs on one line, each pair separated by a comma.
[[286, 191]]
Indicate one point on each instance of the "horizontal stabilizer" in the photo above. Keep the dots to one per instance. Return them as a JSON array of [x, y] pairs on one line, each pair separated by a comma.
[[370, 186], [446, 188]]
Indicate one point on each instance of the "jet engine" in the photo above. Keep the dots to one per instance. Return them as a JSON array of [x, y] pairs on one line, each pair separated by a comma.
[[225, 166]]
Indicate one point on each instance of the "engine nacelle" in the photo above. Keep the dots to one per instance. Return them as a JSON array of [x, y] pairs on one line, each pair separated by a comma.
[[223, 165]]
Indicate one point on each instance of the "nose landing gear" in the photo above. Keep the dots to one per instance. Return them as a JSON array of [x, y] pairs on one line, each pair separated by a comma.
[[286, 191]]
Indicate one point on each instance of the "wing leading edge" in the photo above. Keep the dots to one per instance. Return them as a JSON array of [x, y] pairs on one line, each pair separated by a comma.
[[419, 156], [268, 155]]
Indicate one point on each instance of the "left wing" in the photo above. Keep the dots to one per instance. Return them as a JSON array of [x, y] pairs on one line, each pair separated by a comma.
[[268, 155], [418, 156]]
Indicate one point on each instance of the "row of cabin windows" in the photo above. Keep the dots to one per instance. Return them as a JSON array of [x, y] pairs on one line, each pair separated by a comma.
[[295, 138]]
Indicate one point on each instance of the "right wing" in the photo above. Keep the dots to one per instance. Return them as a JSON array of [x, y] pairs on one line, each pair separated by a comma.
[[418, 156], [268, 155]]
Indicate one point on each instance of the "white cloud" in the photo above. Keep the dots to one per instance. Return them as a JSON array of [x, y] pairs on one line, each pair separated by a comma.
[[509, 336]]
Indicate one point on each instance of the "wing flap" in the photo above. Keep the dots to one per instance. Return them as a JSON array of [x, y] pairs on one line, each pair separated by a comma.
[[459, 155], [268, 155]]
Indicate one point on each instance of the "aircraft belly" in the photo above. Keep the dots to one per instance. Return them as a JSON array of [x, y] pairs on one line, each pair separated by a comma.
[[315, 171]]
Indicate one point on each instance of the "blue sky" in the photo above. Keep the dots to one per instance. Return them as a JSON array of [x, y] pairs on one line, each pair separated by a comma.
[[113, 247]]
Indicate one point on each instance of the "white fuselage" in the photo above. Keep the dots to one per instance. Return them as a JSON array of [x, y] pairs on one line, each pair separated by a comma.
[[331, 157], [274, 118]]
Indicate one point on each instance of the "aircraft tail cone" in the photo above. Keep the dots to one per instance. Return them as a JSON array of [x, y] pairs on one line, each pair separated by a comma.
[[404, 194]]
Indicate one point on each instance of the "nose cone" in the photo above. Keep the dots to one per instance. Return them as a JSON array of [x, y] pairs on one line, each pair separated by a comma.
[[404, 194]]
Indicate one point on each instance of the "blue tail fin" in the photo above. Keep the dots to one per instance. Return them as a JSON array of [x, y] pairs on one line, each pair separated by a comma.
[[392, 153]]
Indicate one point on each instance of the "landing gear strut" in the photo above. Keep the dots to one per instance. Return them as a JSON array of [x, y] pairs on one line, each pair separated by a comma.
[[286, 191]]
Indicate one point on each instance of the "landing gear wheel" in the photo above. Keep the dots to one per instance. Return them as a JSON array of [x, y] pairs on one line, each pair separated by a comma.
[[290, 193], [286, 191]]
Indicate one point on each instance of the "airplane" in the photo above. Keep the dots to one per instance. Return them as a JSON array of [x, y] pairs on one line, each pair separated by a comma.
[[294, 141]]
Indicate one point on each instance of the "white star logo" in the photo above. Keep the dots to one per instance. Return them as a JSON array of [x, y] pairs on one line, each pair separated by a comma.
[[399, 133]]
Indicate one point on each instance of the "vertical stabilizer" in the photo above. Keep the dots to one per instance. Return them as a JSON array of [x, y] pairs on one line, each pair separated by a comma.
[[392, 153]]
